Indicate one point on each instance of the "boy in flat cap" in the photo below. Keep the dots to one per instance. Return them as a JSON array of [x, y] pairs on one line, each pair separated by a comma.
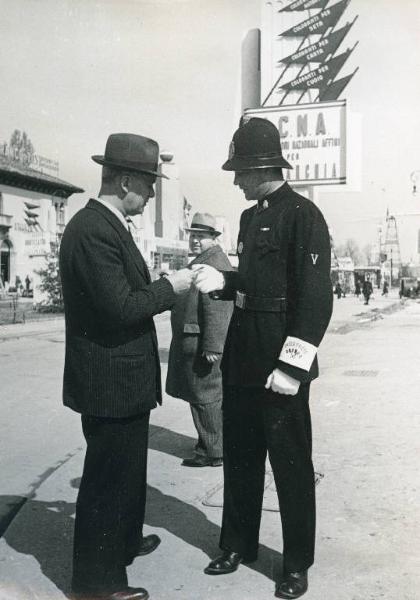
[[112, 369], [283, 302]]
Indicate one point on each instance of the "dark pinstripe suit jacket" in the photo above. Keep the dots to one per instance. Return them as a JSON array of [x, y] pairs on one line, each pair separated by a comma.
[[111, 365]]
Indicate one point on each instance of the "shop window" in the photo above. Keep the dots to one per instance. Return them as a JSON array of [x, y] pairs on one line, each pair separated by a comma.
[[156, 260]]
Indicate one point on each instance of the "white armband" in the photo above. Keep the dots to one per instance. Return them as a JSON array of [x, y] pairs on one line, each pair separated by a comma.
[[298, 353]]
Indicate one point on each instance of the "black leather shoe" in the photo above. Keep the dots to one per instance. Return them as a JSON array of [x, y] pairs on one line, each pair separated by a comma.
[[148, 544], [202, 461], [293, 585], [228, 562], [127, 594]]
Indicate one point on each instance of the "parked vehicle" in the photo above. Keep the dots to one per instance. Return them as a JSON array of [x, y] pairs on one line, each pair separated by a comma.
[[409, 287]]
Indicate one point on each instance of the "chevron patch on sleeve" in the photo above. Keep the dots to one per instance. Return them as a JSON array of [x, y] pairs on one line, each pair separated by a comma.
[[298, 353]]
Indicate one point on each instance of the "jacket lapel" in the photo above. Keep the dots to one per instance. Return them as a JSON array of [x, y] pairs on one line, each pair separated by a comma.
[[125, 236]]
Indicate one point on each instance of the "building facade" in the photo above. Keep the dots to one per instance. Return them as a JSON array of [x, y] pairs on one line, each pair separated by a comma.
[[32, 219]]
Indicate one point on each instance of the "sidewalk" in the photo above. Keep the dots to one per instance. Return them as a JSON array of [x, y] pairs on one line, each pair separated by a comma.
[[30, 328], [346, 309], [44, 326]]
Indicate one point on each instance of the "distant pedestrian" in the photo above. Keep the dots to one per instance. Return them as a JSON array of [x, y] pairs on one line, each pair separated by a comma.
[[27, 283], [199, 328], [385, 289], [357, 289], [338, 290], [367, 290], [18, 285]]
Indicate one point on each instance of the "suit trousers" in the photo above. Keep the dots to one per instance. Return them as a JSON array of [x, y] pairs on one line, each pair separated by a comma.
[[111, 502], [257, 421], [208, 423]]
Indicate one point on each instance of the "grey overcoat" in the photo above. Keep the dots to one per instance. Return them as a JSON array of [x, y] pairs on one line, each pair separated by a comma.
[[198, 324]]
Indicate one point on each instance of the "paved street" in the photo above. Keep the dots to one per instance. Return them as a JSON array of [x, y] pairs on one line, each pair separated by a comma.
[[365, 418]]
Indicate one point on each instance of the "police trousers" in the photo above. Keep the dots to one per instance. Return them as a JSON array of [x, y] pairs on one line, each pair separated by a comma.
[[257, 421]]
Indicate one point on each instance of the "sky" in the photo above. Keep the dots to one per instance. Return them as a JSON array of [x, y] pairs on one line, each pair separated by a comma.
[[74, 71]]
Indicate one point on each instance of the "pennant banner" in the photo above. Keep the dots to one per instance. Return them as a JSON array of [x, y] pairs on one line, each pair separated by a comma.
[[319, 51], [304, 5], [319, 23], [320, 77], [333, 91]]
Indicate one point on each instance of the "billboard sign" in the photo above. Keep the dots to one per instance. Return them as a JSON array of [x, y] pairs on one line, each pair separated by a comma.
[[319, 23], [313, 140], [319, 51], [304, 5], [20, 151]]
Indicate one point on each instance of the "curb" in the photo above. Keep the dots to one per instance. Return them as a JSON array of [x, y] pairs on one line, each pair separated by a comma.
[[365, 318]]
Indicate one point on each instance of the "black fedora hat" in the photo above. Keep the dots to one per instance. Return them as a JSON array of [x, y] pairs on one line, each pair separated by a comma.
[[204, 223], [255, 145], [131, 152]]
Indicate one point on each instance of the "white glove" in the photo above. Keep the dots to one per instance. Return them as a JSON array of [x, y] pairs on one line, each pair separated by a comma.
[[282, 384], [207, 278], [180, 280], [211, 357]]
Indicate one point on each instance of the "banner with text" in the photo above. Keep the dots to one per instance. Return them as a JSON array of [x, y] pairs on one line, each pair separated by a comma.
[[313, 140], [304, 5], [321, 77], [319, 23], [319, 51]]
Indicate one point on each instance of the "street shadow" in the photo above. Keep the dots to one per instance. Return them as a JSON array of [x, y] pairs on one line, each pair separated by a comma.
[[170, 442], [44, 530], [191, 525]]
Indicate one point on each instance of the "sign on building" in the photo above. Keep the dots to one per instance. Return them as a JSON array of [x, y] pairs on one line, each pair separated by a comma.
[[38, 243], [313, 139], [20, 151]]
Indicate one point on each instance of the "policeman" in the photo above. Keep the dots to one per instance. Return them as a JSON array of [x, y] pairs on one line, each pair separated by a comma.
[[283, 303]]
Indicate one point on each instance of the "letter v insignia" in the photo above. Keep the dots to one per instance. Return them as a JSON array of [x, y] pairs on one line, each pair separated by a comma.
[[314, 258]]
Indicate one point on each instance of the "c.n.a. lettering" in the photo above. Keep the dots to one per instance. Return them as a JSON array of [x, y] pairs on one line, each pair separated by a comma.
[[300, 126]]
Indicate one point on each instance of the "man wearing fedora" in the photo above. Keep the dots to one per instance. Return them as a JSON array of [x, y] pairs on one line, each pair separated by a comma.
[[112, 370], [199, 328], [283, 302]]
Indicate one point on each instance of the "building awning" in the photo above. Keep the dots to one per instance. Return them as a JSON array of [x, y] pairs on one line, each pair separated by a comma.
[[16, 175]]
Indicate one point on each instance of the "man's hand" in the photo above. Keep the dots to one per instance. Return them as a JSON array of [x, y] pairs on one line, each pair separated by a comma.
[[211, 357], [181, 280], [207, 279], [282, 384]]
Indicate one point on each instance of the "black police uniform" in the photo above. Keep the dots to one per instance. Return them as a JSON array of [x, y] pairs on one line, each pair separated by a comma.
[[283, 304]]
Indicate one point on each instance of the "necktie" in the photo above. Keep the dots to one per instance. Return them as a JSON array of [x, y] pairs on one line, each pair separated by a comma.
[[130, 226]]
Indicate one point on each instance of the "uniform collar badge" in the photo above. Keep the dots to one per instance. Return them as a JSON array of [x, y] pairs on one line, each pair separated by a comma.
[[240, 247]]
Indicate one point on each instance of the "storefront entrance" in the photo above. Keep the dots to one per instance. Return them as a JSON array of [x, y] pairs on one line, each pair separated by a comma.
[[5, 261]]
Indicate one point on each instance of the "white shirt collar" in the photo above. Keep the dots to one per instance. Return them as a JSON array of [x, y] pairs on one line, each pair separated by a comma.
[[273, 186], [115, 211]]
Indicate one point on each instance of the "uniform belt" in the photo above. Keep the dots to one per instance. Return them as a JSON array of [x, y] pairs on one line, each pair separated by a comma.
[[260, 304]]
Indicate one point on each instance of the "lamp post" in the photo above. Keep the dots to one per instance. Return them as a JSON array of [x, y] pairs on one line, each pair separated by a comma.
[[414, 176], [390, 285], [58, 207]]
